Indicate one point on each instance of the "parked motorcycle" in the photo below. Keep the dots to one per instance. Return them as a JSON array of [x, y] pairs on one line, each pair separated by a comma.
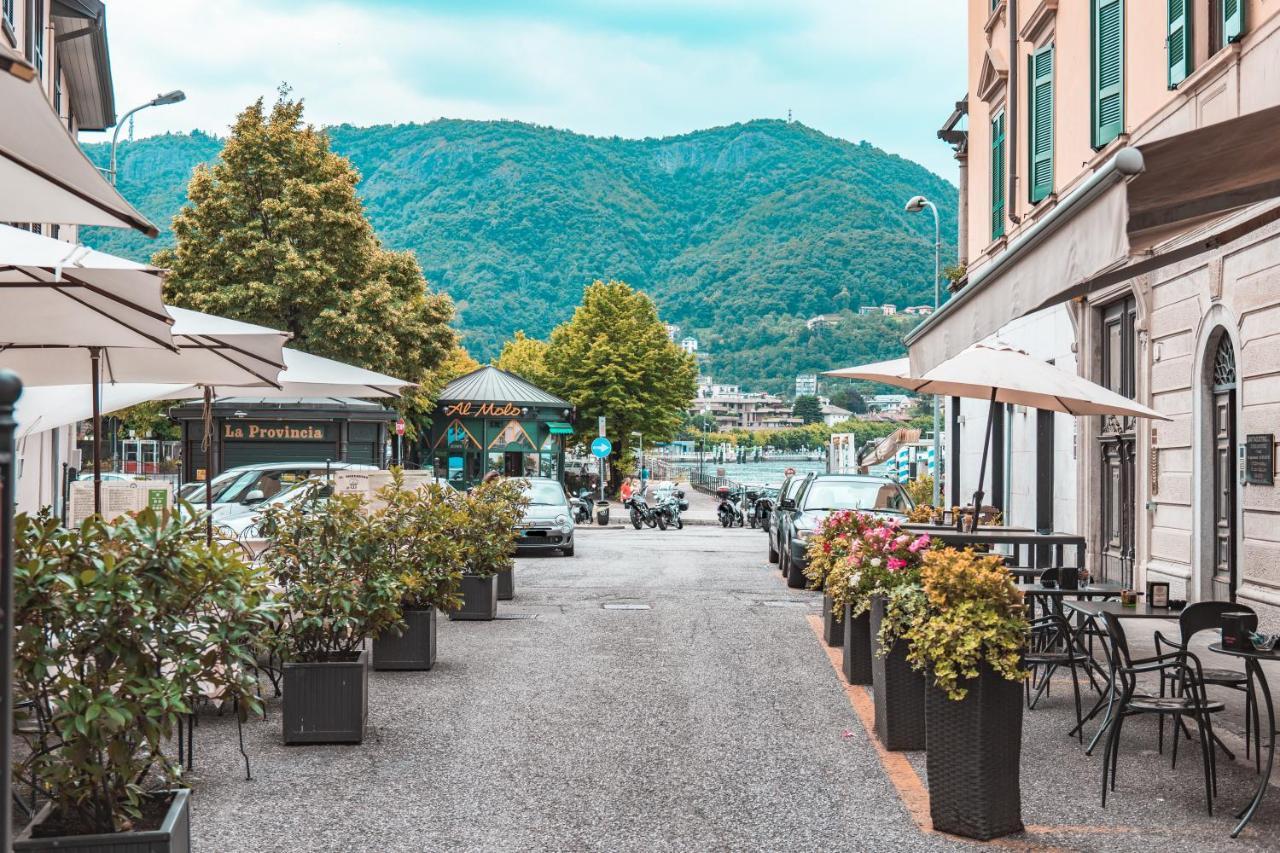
[[641, 513], [582, 506], [747, 506], [728, 512], [764, 507], [670, 505]]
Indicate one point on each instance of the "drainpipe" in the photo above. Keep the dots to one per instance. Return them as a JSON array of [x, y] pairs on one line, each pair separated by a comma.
[[1011, 111]]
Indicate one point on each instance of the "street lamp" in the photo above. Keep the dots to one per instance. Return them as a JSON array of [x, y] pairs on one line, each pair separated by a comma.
[[915, 205], [640, 435], [158, 101]]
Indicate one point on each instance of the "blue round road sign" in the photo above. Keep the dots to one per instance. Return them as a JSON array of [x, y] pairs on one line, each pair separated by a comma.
[[601, 447]]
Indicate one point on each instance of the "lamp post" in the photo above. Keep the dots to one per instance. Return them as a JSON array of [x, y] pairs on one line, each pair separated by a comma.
[[158, 101], [915, 205], [640, 436]]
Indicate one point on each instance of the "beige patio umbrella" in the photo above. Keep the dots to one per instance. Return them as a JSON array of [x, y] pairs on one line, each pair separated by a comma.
[[44, 176], [1003, 374], [890, 372]]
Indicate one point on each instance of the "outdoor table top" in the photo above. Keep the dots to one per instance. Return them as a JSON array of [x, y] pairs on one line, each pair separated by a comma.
[[1004, 536], [1139, 611], [1256, 654], [1092, 590]]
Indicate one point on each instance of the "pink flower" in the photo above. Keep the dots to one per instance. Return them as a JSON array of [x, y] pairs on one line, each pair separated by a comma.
[[919, 545], [896, 564]]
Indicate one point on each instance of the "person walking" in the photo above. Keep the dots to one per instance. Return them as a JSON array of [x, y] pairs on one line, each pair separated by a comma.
[[625, 492]]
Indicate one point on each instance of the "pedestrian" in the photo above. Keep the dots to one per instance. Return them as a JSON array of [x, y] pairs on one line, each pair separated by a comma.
[[625, 492]]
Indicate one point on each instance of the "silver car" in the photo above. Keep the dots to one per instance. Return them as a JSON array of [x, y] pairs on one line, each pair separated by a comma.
[[547, 524]]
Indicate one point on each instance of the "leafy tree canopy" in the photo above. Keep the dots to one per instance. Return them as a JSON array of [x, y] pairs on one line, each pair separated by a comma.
[[525, 357], [807, 408]]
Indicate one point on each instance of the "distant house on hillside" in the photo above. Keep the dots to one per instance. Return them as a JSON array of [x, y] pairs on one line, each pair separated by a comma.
[[806, 384], [673, 332], [918, 310], [821, 321], [887, 309], [832, 415], [689, 344]]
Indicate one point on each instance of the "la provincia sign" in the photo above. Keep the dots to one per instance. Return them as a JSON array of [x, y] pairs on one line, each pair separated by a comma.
[[601, 448]]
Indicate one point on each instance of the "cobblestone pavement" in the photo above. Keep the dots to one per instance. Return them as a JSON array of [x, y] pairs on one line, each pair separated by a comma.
[[712, 720]]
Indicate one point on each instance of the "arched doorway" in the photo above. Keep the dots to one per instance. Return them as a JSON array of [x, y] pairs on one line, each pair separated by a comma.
[[1224, 489]]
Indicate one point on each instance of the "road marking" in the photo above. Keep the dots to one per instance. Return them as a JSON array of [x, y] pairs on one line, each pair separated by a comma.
[[626, 607]]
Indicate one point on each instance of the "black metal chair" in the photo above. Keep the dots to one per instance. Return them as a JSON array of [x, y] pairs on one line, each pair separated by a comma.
[[1192, 702], [1052, 646], [1207, 616]]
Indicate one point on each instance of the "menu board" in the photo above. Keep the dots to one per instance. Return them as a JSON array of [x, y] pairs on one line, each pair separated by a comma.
[[1259, 459], [118, 497], [367, 484]]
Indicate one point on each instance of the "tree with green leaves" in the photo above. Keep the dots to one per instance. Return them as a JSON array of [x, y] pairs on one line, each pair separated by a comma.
[[613, 358], [525, 357], [275, 234], [848, 398], [807, 409]]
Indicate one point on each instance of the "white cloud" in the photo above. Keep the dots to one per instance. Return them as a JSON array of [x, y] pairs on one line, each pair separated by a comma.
[[847, 67]]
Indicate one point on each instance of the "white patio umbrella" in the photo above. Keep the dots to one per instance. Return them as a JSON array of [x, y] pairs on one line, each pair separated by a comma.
[[888, 372], [307, 375], [44, 176], [1004, 374]]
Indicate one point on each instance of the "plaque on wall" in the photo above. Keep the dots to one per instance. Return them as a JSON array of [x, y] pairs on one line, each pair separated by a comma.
[[1259, 459]]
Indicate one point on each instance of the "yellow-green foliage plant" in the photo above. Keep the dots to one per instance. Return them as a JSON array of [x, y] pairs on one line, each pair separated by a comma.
[[973, 614]]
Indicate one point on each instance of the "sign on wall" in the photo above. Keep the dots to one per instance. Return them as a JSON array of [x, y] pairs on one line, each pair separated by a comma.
[[276, 431], [118, 498], [1259, 459], [482, 410]]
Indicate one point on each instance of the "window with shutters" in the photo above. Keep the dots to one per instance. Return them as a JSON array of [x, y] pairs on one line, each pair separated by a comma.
[[1178, 43], [1232, 20], [6, 14], [997, 175], [35, 35], [1108, 71], [1040, 72]]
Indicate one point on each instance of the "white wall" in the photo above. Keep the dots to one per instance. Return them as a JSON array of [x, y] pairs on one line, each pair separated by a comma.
[[40, 457]]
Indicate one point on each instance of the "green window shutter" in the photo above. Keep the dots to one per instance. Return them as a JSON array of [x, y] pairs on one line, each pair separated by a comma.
[[1041, 117], [1179, 42], [1232, 20], [1108, 71], [997, 176]]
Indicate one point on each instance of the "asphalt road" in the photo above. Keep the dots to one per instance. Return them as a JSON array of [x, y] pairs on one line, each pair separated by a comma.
[[704, 715]]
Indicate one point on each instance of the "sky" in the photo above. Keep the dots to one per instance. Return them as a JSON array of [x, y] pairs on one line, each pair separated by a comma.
[[887, 73]]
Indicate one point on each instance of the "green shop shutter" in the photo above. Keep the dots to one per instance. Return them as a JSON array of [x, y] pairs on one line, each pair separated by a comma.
[[1232, 20], [1179, 42], [997, 176], [1108, 71], [1041, 114]]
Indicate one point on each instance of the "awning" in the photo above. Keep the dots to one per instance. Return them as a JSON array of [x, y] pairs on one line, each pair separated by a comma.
[[560, 428], [1146, 208]]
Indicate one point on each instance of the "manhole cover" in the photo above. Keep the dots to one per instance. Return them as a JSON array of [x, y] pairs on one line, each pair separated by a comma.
[[627, 607], [516, 616]]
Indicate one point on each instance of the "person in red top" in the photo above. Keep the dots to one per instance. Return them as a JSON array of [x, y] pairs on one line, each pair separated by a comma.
[[625, 491]]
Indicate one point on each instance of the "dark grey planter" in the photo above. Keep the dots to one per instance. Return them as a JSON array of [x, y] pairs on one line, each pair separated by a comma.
[[832, 628], [414, 649], [857, 647], [479, 599], [899, 690], [326, 702], [975, 756], [173, 836], [507, 585]]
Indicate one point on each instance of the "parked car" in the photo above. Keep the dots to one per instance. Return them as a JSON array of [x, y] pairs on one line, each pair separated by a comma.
[[107, 476], [238, 488], [787, 491], [547, 524], [823, 494]]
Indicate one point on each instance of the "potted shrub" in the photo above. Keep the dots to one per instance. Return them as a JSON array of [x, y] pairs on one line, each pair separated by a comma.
[[488, 539], [118, 627], [970, 637], [828, 555], [887, 569], [420, 544], [336, 589]]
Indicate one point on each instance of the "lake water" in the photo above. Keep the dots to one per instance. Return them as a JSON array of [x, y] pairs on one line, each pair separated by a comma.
[[759, 472]]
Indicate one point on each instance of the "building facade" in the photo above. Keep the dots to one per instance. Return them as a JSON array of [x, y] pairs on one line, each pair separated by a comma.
[[66, 42], [806, 385], [1119, 180]]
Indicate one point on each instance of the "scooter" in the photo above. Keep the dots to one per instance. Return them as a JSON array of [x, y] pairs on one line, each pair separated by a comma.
[[728, 512], [582, 506]]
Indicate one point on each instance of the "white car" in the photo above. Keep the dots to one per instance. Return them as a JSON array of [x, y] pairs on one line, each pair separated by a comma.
[[547, 524], [239, 489]]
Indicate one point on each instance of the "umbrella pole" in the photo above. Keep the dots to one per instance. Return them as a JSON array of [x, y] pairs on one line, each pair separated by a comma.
[[208, 465], [95, 369], [10, 390], [982, 469]]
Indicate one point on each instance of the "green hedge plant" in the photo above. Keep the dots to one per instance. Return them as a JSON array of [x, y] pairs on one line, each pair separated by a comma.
[[489, 534], [421, 533], [118, 626]]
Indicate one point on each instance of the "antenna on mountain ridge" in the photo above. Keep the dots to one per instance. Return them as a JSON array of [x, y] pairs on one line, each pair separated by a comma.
[[788, 115]]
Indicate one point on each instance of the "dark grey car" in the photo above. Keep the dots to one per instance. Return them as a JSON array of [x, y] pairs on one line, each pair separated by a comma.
[[786, 503], [827, 493]]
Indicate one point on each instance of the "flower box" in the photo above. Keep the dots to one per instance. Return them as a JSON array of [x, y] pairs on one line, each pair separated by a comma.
[[832, 628], [479, 599], [326, 702], [857, 647], [899, 690], [507, 584], [413, 649], [173, 835]]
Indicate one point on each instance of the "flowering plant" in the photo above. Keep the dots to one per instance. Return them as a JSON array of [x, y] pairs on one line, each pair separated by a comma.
[[885, 557], [829, 548]]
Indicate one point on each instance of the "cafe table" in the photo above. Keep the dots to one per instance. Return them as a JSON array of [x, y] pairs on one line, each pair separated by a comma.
[[1038, 592], [1253, 666], [1092, 611]]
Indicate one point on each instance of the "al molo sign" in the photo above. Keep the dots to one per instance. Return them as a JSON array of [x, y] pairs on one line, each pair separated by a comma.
[[482, 410], [275, 431]]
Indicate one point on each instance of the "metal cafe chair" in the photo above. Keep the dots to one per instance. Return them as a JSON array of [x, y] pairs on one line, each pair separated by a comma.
[[1207, 616], [1052, 646], [1186, 670]]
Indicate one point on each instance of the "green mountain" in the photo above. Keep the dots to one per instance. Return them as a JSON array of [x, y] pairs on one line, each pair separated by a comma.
[[739, 233]]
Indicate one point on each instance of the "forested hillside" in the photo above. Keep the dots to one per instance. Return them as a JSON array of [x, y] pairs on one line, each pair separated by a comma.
[[739, 233]]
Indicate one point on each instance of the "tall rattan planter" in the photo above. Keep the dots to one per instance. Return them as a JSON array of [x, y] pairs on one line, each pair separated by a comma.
[[479, 599], [173, 835], [832, 628], [899, 690], [975, 750], [507, 584], [326, 702], [857, 646], [415, 648]]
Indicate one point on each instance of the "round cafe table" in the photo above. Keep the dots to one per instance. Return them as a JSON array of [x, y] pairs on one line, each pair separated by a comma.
[[1252, 662]]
